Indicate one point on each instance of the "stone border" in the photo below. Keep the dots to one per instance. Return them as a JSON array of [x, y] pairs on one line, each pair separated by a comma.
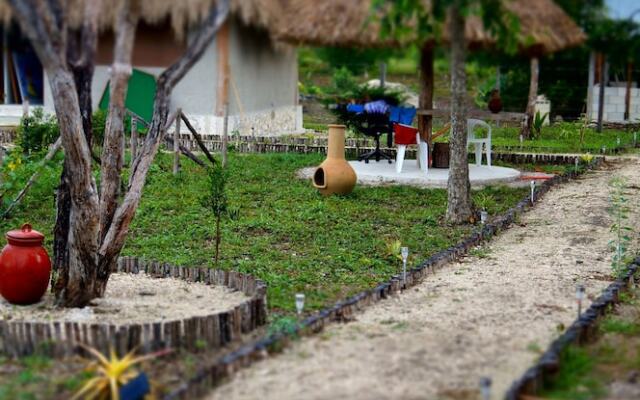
[[344, 310], [583, 330], [59, 339]]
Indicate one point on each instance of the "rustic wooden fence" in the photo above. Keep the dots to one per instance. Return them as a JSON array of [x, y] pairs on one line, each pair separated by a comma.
[[61, 338]]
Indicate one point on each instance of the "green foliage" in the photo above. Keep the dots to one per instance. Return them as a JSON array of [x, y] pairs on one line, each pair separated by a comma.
[[538, 122], [564, 137], [98, 122], [283, 324], [573, 382], [216, 197], [355, 60], [619, 210], [411, 20], [37, 131], [613, 324], [216, 200]]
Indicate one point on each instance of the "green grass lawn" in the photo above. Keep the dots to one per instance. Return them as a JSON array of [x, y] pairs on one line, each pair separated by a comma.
[[286, 233], [563, 138]]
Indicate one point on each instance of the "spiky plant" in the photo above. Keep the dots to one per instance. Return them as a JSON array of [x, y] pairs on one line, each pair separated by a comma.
[[111, 374]]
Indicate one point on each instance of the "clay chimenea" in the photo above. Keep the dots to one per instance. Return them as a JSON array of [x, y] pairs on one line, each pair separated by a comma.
[[335, 175]]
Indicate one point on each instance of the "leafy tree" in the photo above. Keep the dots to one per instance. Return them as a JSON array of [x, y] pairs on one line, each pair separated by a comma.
[[216, 200], [92, 225], [407, 19]]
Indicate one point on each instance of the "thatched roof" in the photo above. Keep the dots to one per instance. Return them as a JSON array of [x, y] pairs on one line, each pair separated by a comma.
[[180, 13], [544, 26], [343, 23]]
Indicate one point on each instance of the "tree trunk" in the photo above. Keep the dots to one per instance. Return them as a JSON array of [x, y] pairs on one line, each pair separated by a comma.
[[426, 91], [459, 206], [75, 281], [533, 94], [112, 151], [81, 49]]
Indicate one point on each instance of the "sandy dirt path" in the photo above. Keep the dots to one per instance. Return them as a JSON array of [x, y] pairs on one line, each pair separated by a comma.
[[488, 315]]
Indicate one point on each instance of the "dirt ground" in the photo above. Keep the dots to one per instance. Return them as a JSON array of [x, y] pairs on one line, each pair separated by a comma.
[[488, 315], [135, 298]]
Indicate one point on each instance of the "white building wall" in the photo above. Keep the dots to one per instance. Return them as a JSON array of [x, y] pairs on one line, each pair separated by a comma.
[[614, 104], [263, 101]]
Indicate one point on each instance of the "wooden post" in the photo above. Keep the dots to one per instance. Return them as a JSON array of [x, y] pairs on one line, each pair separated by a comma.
[[134, 137], [627, 96], [590, 83], [383, 73], [533, 94], [604, 71], [176, 145], [426, 91], [25, 108], [123, 147], [225, 138]]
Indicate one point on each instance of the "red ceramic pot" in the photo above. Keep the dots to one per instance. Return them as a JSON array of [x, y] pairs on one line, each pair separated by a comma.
[[25, 267]]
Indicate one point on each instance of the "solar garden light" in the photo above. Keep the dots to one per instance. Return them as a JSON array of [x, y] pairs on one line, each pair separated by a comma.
[[604, 149], [533, 189], [618, 140], [483, 216], [485, 388], [404, 252], [299, 302], [577, 162], [579, 297], [635, 137], [521, 140]]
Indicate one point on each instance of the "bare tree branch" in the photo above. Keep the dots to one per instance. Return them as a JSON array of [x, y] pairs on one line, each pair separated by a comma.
[[52, 152], [198, 139], [111, 164], [114, 239]]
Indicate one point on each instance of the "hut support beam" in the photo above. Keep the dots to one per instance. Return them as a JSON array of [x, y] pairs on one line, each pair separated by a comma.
[[604, 73], [533, 94], [627, 96], [426, 91]]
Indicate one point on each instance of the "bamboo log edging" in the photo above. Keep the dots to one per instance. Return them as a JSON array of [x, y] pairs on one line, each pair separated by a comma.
[[354, 147], [59, 339], [344, 310], [582, 331]]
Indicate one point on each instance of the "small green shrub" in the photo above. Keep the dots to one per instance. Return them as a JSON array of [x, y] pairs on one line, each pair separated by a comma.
[[538, 122], [37, 131]]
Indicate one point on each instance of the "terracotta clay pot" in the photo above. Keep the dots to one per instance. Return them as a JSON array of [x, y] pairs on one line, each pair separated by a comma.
[[335, 175], [25, 267], [495, 102]]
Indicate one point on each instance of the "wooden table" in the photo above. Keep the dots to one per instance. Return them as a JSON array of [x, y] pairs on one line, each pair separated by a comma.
[[478, 114]]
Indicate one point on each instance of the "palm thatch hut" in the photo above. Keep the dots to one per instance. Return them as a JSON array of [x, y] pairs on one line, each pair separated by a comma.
[[244, 67], [544, 28]]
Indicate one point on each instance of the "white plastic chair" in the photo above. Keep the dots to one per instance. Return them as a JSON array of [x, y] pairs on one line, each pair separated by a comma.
[[479, 142], [422, 156]]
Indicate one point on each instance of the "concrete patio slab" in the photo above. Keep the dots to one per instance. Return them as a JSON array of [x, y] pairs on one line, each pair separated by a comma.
[[382, 173]]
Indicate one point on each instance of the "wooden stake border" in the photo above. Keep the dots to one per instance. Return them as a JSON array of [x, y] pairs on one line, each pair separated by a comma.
[[62, 338]]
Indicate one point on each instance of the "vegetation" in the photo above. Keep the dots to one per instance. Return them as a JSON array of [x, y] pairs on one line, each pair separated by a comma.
[[619, 210], [588, 372], [285, 232], [564, 137]]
